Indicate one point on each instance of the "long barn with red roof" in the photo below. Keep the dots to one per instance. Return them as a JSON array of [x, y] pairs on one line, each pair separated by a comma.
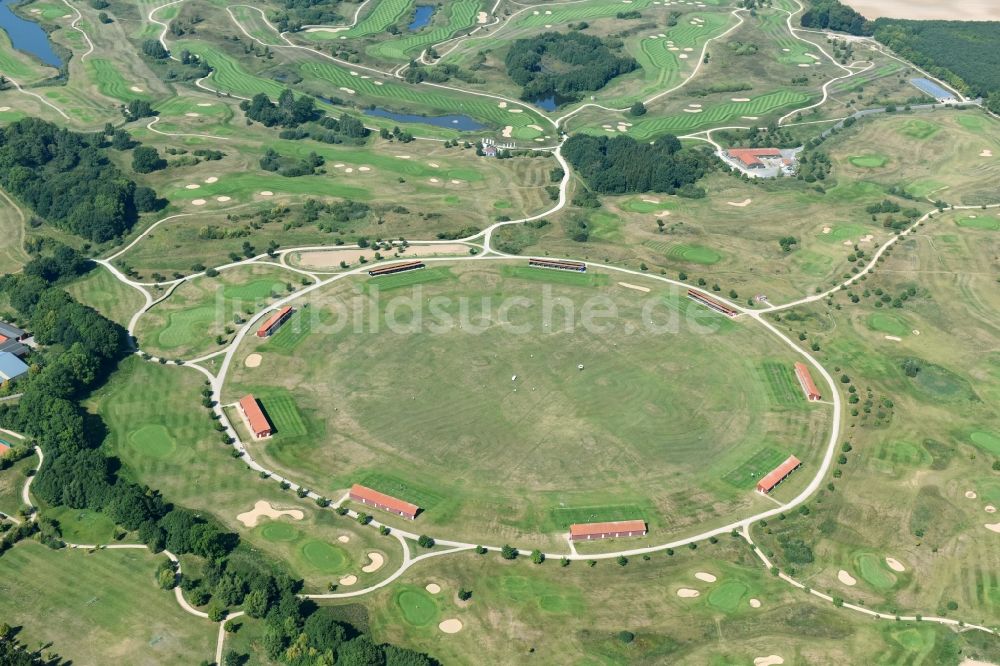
[[778, 474], [274, 322], [382, 501], [609, 530], [254, 417], [806, 382]]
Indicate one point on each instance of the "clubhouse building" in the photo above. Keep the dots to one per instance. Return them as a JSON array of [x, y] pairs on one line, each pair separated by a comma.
[[778, 474], [274, 322], [611, 530], [254, 418], [374, 498]]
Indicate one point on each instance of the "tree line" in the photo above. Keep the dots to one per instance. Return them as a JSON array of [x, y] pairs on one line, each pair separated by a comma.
[[621, 164], [834, 15]]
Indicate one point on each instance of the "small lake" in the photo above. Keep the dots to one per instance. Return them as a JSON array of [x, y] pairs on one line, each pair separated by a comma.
[[27, 36], [421, 17], [463, 123]]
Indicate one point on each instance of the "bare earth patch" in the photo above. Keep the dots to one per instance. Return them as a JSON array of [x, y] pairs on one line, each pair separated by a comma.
[[893, 338], [481, 18], [253, 360], [706, 577], [634, 286], [968, 10], [433, 588], [688, 593], [740, 204], [376, 563], [135, 89], [263, 509], [451, 626], [507, 130], [343, 538]]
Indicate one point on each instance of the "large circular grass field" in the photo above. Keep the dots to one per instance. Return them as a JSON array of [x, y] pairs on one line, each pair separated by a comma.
[[572, 398]]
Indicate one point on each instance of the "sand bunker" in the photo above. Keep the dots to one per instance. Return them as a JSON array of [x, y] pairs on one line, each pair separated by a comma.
[[740, 99], [435, 180], [455, 181], [846, 578], [378, 83], [481, 18], [223, 199], [688, 593], [192, 186], [827, 230], [652, 201], [263, 509], [740, 204], [204, 104], [364, 168], [989, 508], [769, 660], [349, 91], [507, 130], [516, 110], [895, 564], [663, 213], [403, 157], [995, 527], [692, 110], [695, 106], [433, 164], [755, 603], [682, 56], [503, 105], [4, 108], [343, 538], [894, 338], [986, 153], [847, 242], [136, 89], [628, 285], [350, 579], [253, 361], [706, 577], [376, 563], [211, 179], [803, 64], [750, 117], [192, 114], [970, 494], [349, 170], [267, 193], [433, 588], [198, 202], [537, 128], [868, 238], [451, 626]]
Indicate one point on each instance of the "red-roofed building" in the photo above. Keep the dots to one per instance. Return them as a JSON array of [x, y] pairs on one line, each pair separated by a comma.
[[806, 382], [3, 449], [778, 474], [382, 501], [619, 528], [274, 321], [254, 417], [751, 157]]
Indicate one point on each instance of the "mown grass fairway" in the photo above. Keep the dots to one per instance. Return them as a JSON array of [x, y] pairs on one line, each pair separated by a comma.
[[510, 415]]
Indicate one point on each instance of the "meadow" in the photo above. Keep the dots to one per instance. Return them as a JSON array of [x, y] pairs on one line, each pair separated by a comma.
[[477, 420]]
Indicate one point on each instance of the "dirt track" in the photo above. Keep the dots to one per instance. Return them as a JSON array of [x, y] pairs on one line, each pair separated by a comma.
[[969, 10]]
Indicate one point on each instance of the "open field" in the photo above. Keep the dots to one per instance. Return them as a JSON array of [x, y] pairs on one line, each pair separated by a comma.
[[971, 10], [100, 290], [550, 406], [11, 482], [92, 607]]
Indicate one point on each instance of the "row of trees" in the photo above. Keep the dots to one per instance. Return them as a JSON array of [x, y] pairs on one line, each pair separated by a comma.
[[563, 65], [621, 164], [288, 112]]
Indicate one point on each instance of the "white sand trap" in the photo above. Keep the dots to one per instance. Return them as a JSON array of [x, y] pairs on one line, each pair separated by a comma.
[[740, 99], [769, 660], [503, 105], [893, 338], [827, 230], [338, 165], [435, 180], [349, 579], [537, 128], [663, 213], [192, 186], [846, 578], [688, 593], [267, 193], [433, 164], [198, 202], [481, 18], [192, 114], [136, 89], [376, 563], [349, 170], [989, 508], [695, 106], [813, 56], [378, 83], [692, 110], [633, 286], [847, 242], [353, 73], [786, 50], [507, 130], [253, 360], [750, 117], [548, 25], [403, 157], [343, 538], [986, 153], [433, 588], [802, 64], [971, 494], [705, 577], [451, 626], [755, 603], [652, 201], [4, 108], [995, 527], [364, 168], [673, 48], [916, 332], [223, 198], [683, 56], [548, 12], [740, 204], [895, 564], [517, 111], [349, 91], [263, 509], [868, 238], [204, 104], [455, 181], [688, 49], [211, 179], [609, 129]]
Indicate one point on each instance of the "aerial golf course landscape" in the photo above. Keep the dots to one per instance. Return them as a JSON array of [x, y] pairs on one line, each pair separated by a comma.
[[394, 333]]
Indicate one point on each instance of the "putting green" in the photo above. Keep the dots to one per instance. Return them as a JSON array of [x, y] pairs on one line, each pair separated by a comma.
[[639, 206], [986, 440], [275, 531], [889, 323], [985, 223], [841, 232], [186, 326], [874, 571], [728, 596], [694, 254], [871, 161], [154, 441], [418, 608], [324, 557], [918, 129]]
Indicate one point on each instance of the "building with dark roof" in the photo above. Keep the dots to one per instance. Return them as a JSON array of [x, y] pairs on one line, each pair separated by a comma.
[[11, 367]]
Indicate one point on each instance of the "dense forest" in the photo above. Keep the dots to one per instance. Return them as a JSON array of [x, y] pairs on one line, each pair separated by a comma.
[[621, 164], [297, 13], [833, 15], [563, 65], [966, 54], [67, 179], [79, 349]]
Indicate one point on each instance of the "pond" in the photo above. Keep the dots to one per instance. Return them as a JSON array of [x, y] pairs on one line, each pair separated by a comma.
[[547, 104], [421, 17], [463, 123], [27, 36]]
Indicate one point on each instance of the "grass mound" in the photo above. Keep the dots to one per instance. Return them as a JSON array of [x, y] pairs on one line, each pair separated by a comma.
[[889, 323], [919, 129]]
